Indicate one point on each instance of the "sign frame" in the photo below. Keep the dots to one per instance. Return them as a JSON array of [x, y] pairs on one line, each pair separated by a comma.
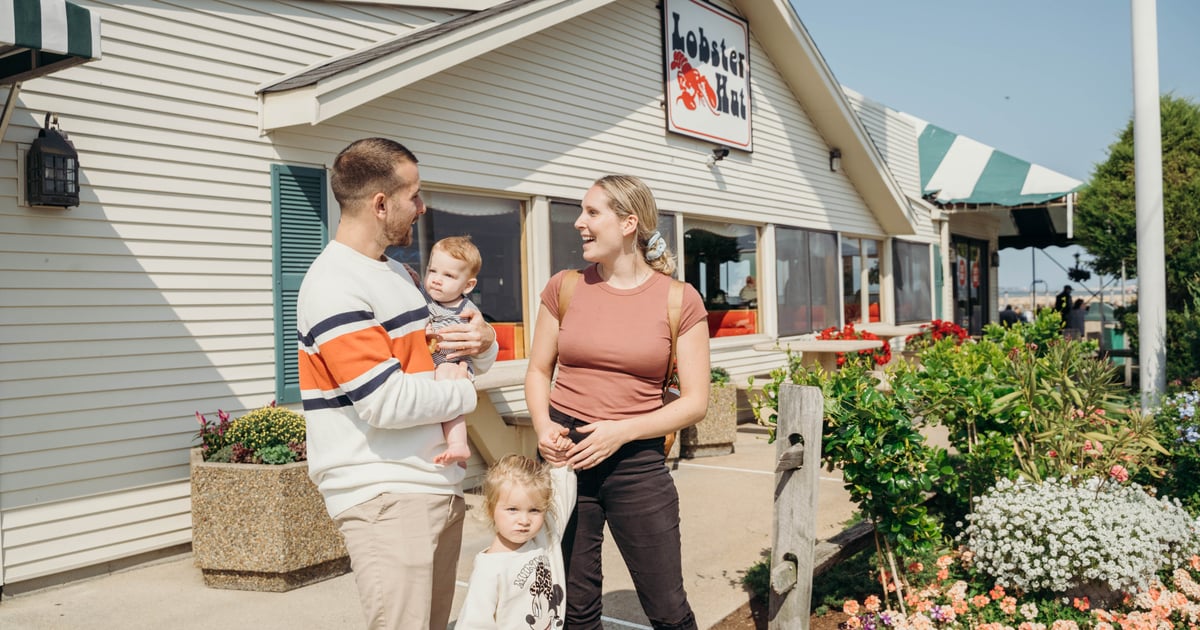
[[706, 73]]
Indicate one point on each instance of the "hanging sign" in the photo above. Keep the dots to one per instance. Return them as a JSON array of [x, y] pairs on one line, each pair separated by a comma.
[[975, 273], [962, 272], [707, 67]]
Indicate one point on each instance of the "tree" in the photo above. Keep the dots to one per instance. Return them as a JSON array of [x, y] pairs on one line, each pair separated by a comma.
[[1106, 226], [1106, 215]]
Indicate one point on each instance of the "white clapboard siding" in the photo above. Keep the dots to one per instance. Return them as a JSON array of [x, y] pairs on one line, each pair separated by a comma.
[[152, 299], [560, 116], [896, 139]]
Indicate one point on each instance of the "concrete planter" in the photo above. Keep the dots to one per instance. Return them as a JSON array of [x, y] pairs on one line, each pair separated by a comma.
[[258, 527], [715, 434]]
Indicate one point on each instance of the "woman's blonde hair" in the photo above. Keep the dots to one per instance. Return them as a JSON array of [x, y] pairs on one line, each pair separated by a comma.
[[628, 195], [517, 470]]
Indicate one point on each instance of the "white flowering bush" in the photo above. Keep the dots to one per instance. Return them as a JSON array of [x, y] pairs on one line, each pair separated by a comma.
[[1058, 535]]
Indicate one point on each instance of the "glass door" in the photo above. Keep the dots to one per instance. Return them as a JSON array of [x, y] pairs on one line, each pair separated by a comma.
[[970, 277]]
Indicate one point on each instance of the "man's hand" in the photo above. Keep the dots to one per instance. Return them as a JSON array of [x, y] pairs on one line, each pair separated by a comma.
[[464, 340]]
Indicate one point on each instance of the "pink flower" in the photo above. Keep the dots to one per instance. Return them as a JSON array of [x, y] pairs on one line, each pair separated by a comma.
[[1119, 473], [997, 592], [871, 603], [850, 607]]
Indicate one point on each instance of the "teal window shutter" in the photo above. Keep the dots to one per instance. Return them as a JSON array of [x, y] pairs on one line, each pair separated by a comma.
[[300, 224], [938, 281]]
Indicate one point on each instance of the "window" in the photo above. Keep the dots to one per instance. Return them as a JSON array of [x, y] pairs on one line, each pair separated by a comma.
[[911, 271], [494, 225], [566, 248], [300, 228], [806, 280], [860, 268], [718, 258]]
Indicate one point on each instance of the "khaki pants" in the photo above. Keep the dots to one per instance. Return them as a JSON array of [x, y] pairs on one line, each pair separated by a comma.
[[404, 553]]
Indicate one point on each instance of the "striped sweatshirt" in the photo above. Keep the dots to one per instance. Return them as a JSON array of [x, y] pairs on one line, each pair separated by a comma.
[[371, 405]]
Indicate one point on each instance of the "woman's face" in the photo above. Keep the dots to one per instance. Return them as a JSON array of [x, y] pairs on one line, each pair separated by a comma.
[[603, 232]]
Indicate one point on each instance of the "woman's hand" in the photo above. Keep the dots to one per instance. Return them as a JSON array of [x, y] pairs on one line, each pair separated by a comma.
[[553, 444], [465, 340], [603, 439]]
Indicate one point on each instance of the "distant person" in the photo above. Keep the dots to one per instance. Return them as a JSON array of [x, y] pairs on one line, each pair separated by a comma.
[[749, 292], [1027, 315], [1062, 303], [1008, 316], [1075, 319]]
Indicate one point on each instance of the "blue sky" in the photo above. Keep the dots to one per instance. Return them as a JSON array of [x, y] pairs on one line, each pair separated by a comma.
[[1048, 81]]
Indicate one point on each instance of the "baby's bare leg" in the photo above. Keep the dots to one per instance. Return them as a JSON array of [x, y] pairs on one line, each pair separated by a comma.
[[457, 449]]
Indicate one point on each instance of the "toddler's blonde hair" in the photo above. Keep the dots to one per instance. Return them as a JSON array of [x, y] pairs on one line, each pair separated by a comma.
[[517, 470]]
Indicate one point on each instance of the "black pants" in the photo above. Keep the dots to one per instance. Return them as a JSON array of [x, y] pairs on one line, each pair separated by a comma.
[[633, 491]]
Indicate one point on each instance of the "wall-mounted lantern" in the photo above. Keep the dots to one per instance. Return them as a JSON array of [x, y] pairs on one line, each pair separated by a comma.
[[52, 168], [995, 259], [835, 160]]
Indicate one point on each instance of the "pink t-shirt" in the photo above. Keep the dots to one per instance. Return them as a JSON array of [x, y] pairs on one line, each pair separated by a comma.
[[614, 344]]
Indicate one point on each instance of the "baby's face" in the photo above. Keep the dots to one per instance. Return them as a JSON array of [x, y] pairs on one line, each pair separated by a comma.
[[447, 277]]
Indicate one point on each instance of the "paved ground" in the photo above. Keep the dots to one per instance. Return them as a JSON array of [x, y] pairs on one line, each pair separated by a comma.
[[726, 504]]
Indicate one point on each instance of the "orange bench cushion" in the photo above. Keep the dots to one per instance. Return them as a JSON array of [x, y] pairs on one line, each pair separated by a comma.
[[733, 322]]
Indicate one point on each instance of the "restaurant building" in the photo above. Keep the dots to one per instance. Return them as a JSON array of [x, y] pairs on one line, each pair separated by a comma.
[[202, 138]]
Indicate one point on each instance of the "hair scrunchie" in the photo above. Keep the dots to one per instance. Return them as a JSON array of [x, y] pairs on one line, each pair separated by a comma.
[[656, 246]]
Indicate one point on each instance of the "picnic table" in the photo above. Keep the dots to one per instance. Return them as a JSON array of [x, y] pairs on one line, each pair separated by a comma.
[[819, 352]]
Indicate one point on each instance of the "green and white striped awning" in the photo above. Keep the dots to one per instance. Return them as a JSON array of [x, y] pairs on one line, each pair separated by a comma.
[[1033, 202], [38, 37], [956, 169]]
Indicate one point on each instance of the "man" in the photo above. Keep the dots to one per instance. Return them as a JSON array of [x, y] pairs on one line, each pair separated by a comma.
[[1008, 317], [373, 401], [1062, 303]]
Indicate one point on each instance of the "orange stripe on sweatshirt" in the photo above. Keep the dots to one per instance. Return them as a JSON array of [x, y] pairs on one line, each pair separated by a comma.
[[413, 351], [349, 356], [355, 353]]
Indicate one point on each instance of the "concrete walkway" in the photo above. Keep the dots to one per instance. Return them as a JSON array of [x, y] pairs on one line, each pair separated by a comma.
[[726, 505]]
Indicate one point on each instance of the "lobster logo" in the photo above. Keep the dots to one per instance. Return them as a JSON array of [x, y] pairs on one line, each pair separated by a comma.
[[694, 87]]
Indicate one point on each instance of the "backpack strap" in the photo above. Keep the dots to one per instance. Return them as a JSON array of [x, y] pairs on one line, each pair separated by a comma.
[[565, 291], [674, 308]]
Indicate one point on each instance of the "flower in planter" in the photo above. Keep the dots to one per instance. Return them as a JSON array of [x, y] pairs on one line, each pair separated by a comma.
[[934, 332], [267, 435], [879, 356]]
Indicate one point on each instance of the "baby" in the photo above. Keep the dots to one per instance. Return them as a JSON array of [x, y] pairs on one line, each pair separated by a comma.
[[454, 263]]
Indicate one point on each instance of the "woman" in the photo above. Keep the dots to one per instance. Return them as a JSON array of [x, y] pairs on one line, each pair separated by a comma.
[[611, 347]]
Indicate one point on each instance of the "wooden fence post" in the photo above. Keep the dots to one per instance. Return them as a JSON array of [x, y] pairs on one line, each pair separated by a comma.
[[798, 447]]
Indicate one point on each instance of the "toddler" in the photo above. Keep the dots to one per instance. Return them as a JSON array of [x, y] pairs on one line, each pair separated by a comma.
[[519, 581], [454, 263]]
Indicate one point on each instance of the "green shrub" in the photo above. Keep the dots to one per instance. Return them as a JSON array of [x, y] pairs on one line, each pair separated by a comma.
[[758, 579], [718, 376]]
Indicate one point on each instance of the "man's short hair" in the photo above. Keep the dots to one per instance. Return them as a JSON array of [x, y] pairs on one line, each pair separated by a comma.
[[461, 248], [366, 167]]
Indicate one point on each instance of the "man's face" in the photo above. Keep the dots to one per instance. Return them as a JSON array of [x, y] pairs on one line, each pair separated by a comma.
[[404, 207]]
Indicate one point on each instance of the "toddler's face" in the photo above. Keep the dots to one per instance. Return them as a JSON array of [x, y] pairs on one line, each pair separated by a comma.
[[447, 277], [518, 516]]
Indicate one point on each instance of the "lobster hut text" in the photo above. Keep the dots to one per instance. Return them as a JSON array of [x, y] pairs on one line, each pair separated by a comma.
[[708, 73]]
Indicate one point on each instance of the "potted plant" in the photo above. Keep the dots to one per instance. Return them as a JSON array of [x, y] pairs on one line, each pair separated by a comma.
[[715, 433], [258, 521]]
